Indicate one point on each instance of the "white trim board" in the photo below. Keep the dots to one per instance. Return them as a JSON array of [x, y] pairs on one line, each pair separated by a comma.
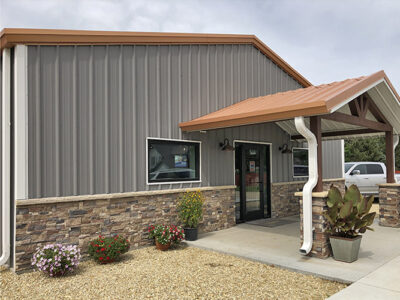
[[21, 122]]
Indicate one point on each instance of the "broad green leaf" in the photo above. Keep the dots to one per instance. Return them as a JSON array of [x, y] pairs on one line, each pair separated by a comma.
[[369, 218], [334, 197], [352, 194], [346, 209]]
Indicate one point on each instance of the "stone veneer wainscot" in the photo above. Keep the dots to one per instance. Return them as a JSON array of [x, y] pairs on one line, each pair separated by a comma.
[[283, 201], [78, 219], [389, 205]]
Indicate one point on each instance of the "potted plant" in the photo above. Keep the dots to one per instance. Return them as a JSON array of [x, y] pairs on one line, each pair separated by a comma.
[[348, 217], [106, 250], [165, 235], [190, 208]]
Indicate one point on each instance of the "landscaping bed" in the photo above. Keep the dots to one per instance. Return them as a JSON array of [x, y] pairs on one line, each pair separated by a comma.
[[182, 272]]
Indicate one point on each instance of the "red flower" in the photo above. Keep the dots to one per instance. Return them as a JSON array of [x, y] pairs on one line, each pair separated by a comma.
[[100, 258], [108, 257], [97, 251], [102, 249]]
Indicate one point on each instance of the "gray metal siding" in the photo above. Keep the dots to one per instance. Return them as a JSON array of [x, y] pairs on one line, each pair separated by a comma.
[[332, 159], [92, 107], [218, 166]]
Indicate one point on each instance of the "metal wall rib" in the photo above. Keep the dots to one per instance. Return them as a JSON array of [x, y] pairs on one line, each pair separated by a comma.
[[92, 107]]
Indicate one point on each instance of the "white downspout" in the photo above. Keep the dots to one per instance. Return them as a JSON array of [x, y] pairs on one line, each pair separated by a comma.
[[311, 183], [5, 196], [395, 143]]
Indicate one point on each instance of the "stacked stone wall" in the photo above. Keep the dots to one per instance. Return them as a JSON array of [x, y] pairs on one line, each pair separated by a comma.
[[389, 205], [283, 201], [77, 220]]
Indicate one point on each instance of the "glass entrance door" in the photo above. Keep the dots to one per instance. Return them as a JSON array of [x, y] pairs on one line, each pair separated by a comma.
[[252, 181]]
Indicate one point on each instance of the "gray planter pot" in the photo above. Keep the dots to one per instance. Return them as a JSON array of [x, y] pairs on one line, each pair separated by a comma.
[[345, 249]]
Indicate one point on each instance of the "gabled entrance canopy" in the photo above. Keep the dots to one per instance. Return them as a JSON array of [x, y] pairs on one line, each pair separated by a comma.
[[376, 101], [363, 106]]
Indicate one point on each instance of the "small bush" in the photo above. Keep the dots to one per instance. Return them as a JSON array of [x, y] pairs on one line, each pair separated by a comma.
[[56, 259], [190, 208], [108, 249], [165, 234]]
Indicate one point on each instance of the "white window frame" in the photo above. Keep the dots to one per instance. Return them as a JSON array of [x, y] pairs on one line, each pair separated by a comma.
[[170, 182], [298, 176]]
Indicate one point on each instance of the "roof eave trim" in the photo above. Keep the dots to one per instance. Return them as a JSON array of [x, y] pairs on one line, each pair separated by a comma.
[[9, 37]]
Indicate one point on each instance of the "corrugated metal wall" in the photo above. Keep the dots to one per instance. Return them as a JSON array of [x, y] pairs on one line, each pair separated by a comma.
[[332, 159], [218, 165], [92, 107]]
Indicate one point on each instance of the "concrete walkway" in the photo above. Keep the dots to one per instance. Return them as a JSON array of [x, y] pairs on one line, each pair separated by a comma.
[[383, 283], [279, 246]]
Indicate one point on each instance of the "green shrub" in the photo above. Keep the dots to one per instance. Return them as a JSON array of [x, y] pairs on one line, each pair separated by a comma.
[[190, 208], [108, 249]]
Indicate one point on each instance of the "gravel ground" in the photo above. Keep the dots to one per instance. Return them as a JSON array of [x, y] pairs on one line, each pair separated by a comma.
[[183, 273], [375, 208]]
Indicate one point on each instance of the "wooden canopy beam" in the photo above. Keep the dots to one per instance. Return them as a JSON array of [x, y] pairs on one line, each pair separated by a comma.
[[389, 157], [339, 133], [357, 121]]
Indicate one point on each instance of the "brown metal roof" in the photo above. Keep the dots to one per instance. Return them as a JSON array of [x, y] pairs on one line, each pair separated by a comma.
[[313, 100], [10, 37]]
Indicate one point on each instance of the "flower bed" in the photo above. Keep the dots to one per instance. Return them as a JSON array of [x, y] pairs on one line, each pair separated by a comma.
[[108, 249], [56, 259]]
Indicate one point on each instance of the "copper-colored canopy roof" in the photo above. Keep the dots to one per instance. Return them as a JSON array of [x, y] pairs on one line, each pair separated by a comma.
[[313, 100]]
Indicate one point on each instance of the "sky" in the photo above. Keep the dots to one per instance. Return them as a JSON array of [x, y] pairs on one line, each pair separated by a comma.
[[324, 40]]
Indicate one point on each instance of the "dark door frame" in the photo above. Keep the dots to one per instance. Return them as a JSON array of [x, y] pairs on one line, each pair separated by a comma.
[[265, 193]]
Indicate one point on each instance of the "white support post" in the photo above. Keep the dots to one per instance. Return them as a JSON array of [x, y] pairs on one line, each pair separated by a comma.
[[5, 156]]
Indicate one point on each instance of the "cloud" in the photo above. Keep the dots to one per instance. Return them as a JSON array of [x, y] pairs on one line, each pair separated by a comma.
[[324, 40]]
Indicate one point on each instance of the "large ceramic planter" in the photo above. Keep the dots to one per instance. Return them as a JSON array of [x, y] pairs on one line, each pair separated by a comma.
[[190, 234], [162, 247], [345, 249]]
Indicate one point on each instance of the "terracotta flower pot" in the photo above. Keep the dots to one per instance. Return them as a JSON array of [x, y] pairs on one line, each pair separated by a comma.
[[162, 247]]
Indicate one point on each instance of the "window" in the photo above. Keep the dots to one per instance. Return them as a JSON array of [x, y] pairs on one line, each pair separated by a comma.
[[347, 167], [362, 168], [300, 162], [173, 161], [374, 169]]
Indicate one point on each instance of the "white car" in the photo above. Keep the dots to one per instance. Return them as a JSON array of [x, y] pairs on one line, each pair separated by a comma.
[[366, 175]]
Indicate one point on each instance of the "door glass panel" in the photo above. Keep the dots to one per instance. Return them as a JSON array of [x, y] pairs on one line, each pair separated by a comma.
[[374, 169], [362, 168], [252, 179], [265, 181], [237, 183]]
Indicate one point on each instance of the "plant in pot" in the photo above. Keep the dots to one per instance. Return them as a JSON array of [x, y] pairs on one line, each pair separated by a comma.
[[348, 217], [190, 208], [165, 235]]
